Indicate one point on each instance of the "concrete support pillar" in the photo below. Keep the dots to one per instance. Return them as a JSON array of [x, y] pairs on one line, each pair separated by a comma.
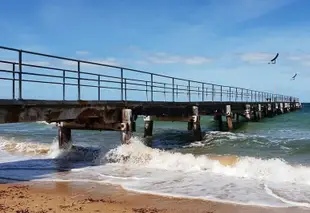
[[237, 117], [281, 108], [148, 126], [269, 110], [247, 112], [196, 124], [128, 126], [259, 112], [229, 117], [64, 137], [218, 118]]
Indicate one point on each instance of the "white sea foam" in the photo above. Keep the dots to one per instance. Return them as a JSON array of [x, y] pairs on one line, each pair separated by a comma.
[[222, 178]]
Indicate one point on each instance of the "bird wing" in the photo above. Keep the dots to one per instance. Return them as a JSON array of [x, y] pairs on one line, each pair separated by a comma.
[[275, 57]]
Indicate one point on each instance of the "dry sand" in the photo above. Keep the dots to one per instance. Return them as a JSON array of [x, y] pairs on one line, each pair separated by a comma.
[[63, 197]]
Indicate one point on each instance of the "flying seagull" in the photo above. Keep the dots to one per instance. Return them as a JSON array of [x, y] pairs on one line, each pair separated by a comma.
[[273, 61], [293, 78]]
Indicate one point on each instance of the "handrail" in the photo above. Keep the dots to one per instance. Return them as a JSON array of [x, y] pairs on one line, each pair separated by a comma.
[[166, 85]]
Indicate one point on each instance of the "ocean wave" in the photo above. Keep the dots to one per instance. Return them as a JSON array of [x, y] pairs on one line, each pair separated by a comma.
[[137, 154], [11, 145], [46, 123]]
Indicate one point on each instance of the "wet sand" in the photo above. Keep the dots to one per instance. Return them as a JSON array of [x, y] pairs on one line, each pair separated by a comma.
[[63, 197]]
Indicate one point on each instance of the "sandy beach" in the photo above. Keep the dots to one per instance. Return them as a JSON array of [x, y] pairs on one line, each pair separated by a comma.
[[62, 197]]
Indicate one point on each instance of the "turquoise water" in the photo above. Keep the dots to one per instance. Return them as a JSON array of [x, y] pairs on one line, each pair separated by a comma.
[[260, 163]]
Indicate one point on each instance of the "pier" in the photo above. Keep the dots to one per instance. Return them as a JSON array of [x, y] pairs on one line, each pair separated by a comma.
[[110, 98]]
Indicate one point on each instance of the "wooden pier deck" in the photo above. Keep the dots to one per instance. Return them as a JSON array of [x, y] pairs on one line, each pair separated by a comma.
[[122, 94]]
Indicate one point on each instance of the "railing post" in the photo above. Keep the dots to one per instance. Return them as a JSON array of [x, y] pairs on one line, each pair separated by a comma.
[[236, 95], [189, 91], [251, 95], [99, 95], [165, 91], [221, 93], [172, 89], [203, 92], [242, 94], [13, 82], [20, 75], [122, 84], [63, 85], [212, 92], [79, 81], [146, 91], [230, 94], [125, 82], [152, 92]]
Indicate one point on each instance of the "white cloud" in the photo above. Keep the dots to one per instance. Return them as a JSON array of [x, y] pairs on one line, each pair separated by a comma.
[[141, 62], [257, 57], [301, 59], [82, 52], [106, 61], [164, 58], [38, 63]]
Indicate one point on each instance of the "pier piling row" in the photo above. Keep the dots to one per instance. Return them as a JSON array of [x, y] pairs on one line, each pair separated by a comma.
[[120, 116]]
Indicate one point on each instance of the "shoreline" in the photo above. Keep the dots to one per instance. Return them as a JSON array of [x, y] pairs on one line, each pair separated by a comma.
[[66, 196]]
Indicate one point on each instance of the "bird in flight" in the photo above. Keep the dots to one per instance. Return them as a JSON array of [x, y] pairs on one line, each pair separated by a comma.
[[273, 61], [293, 78]]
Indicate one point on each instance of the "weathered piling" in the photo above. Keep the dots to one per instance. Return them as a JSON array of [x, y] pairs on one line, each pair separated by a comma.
[[64, 137], [148, 126], [128, 125], [218, 117], [229, 117], [247, 112], [196, 124], [259, 112]]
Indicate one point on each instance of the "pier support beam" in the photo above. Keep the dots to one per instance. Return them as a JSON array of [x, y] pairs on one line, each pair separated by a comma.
[[196, 124], [64, 137], [218, 117], [229, 117], [247, 112], [148, 126], [259, 112], [129, 126], [269, 110]]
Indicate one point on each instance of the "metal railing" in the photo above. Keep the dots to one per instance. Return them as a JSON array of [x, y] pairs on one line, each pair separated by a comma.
[[146, 86]]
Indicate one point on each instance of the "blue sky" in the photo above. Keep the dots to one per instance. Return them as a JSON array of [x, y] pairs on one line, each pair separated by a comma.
[[221, 41]]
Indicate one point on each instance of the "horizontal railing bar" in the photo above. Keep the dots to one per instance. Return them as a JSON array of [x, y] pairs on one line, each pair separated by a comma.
[[192, 86]]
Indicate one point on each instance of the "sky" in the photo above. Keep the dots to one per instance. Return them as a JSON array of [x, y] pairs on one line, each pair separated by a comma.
[[227, 42]]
